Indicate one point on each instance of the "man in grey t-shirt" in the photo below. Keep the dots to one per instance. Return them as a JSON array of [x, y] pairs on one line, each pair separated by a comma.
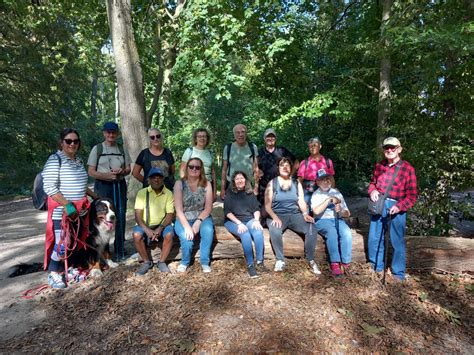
[[242, 157]]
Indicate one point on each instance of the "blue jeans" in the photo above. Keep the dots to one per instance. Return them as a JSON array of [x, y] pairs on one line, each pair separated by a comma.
[[246, 239], [328, 228], [307, 198], [376, 246], [206, 231]]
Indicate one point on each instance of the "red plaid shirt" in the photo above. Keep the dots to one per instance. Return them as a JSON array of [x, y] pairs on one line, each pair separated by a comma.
[[404, 187]]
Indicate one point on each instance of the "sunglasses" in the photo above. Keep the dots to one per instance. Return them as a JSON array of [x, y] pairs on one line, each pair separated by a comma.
[[158, 136], [72, 141], [390, 147], [194, 167]]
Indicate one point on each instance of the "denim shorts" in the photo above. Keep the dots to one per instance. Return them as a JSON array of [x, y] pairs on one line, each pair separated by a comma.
[[168, 229]]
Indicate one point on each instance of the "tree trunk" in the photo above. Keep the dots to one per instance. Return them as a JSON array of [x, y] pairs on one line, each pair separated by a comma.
[[385, 80], [94, 98], [454, 255], [129, 80]]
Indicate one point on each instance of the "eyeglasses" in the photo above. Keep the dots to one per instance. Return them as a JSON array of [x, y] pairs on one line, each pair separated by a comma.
[[158, 136], [390, 147], [72, 141], [111, 132], [194, 167], [201, 136]]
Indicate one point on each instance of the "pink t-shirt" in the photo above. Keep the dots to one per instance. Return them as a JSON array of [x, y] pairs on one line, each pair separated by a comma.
[[310, 172]]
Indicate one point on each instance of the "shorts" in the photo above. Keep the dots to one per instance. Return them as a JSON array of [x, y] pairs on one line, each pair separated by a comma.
[[168, 229]]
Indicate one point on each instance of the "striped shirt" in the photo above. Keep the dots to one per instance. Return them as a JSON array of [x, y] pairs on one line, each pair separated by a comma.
[[70, 179], [404, 186]]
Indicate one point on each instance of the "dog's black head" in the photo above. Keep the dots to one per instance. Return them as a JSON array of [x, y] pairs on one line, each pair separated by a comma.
[[102, 214]]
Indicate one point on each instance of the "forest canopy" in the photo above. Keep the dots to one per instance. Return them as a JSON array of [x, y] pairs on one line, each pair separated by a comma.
[[349, 72]]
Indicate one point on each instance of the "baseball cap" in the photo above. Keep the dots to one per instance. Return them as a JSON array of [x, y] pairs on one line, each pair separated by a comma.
[[269, 131], [391, 141], [155, 171], [110, 126], [322, 173]]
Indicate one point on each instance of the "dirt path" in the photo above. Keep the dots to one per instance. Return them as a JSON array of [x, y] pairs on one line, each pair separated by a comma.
[[292, 312]]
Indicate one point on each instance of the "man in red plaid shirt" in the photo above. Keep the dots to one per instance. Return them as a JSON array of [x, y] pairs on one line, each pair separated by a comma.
[[401, 197]]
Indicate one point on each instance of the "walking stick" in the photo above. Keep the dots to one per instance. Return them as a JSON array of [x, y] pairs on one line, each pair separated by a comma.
[[120, 245], [386, 240]]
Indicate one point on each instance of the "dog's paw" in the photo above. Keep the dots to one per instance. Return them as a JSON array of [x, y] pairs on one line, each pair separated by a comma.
[[111, 263], [96, 273]]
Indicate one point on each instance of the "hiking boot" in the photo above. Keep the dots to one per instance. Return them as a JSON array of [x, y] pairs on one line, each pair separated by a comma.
[[279, 266], [56, 280], [252, 272], [347, 269], [314, 267], [336, 270], [206, 268], [163, 267], [181, 268], [147, 265], [261, 267]]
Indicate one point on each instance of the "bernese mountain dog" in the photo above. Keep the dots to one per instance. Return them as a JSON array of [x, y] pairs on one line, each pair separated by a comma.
[[96, 255]]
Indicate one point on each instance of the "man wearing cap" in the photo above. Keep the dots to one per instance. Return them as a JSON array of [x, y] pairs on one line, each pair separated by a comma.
[[108, 164], [308, 169], [401, 197], [240, 155], [267, 161], [154, 212]]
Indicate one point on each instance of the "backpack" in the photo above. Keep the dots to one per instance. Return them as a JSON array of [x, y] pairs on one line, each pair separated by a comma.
[[275, 187], [40, 199], [100, 153], [252, 150]]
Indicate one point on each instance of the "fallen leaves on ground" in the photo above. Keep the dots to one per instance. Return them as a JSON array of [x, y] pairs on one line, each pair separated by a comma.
[[293, 311]]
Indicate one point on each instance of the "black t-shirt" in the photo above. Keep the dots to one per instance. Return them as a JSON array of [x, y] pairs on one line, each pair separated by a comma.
[[267, 163], [164, 161], [241, 204]]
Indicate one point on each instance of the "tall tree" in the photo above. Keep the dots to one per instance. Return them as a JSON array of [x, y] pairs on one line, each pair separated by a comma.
[[385, 72]]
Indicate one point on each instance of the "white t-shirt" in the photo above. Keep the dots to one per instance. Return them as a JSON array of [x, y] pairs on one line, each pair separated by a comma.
[[319, 196]]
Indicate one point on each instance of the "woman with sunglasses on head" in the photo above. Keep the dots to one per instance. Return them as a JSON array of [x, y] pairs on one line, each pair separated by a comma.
[[201, 140], [193, 204], [242, 219], [285, 205], [65, 183], [155, 156]]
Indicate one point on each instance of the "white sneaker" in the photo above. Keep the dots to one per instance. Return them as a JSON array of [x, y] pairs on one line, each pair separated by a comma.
[[181, 268], [279, 266], [314, 267], [206, 268]]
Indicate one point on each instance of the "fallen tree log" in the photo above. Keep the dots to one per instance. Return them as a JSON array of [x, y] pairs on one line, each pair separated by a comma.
[[455, 255]]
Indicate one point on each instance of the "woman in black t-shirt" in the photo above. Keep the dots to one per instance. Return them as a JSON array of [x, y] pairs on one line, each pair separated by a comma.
[[155, 156], [242, 219]]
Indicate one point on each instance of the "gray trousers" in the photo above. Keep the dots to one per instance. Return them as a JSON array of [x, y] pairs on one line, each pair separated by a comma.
[[297, 224]]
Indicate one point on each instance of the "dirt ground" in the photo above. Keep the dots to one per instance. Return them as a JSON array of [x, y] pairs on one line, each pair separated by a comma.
[[293, 311]]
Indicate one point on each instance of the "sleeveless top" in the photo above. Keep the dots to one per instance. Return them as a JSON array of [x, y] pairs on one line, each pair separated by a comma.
[[193, 202], [285, 202]]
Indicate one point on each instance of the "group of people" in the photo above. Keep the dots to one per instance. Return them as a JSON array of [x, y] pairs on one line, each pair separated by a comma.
[[258, 189]]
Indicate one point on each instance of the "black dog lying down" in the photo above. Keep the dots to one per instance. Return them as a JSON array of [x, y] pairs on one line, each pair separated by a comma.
[[96, 255]]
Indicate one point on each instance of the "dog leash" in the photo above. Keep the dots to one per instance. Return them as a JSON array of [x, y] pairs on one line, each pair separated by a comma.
[[32, 292]]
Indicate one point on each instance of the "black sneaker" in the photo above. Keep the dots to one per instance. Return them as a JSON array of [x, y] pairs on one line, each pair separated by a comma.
[[252, 272], [262, 268], [147, 265]]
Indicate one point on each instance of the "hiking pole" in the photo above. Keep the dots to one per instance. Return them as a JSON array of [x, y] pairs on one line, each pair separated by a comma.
[[120, 245], [386, 244]]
